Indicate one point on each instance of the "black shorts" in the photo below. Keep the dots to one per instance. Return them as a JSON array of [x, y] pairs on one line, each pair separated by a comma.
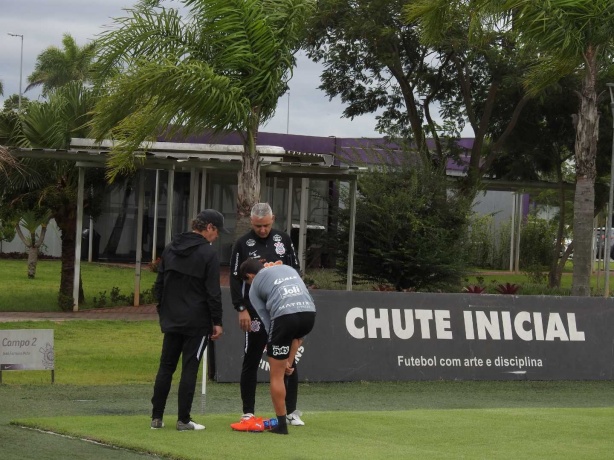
[[285, 329]]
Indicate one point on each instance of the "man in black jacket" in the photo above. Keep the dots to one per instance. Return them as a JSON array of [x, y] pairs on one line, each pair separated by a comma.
[[266, 244], [190, 307]]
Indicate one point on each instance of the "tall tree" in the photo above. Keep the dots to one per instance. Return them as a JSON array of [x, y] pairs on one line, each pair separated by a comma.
[[374, 61], [11, 103], [379, 56], [572, 37], [540, 148], [56, 67], [223, 68]]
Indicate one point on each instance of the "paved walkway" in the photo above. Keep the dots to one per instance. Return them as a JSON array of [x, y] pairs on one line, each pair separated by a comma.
[[142, 312]]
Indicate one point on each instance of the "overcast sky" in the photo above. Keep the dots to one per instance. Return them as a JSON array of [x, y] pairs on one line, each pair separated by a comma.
[[43, 22]]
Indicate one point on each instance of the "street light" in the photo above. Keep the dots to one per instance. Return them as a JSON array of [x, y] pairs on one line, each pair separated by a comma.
[[20, 68], [608, 228]]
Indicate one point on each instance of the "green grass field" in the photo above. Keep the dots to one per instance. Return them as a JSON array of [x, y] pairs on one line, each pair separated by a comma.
[[40, 294], [104, 379]]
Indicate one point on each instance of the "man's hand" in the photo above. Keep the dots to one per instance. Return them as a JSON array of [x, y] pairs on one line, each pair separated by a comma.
[[217, 332], [245, 322], [289, 369]]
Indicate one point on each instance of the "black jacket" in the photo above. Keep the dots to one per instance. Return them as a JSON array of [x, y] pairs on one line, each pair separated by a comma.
[[188, 286], [277, 246]]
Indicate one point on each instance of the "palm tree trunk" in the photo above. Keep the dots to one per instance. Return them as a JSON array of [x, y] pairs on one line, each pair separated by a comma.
[[587, 132], [67, 222], [558, 263], [248, 180]]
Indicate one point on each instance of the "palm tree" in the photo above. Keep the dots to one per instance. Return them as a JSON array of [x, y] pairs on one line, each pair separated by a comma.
[[47, 185], [223, 68], [571, 37], [30, 220], [56, 67]]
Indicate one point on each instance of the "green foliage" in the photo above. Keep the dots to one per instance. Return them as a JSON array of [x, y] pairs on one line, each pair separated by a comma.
[[116, 298], [7, 229], [57, 67], [410, 232], [100, 301], [48, 185], [537, 238], [481, 241], [65, 302], [489, 247], [211, 64], [11, 103], [535, 274], [501, 257]]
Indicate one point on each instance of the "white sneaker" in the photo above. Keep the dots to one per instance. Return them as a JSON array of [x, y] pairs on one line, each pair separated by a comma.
[[295, 418], [191, 425]]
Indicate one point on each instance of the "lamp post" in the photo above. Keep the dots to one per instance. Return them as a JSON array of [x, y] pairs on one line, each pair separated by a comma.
[[288, 116], [20, 68], [608, 228]]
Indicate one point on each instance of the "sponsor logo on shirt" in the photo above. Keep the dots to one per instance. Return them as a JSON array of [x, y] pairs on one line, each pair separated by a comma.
[[277, 238], [291, 290], [281, 280], [297, 305], [250, 242]]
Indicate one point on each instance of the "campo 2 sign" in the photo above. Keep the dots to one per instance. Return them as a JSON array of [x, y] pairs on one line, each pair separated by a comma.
[[26, 349], [412, 336]]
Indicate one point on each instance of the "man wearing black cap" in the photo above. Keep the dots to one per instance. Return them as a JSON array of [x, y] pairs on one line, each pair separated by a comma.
[[190, 307]]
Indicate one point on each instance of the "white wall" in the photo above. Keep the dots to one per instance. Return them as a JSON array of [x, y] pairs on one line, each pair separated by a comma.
[[52, 246]]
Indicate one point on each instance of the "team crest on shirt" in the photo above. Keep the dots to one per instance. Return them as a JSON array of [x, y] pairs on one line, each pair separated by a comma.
[[280, 248], [255, 325], [250, 242], [277, 238]]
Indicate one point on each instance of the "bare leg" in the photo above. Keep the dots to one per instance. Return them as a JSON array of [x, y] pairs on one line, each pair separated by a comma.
[[293, 349], [278, 389]]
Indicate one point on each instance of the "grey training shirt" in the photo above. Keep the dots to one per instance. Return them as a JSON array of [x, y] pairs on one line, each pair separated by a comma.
[[279, 290]]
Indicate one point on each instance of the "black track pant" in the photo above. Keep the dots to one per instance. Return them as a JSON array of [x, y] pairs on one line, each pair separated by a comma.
[[191, 349], [255, 341]]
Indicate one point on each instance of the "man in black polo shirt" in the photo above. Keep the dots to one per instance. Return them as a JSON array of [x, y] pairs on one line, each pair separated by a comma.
[[266, 244]]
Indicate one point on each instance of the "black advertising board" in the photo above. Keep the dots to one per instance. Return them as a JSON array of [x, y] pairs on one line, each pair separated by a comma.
[[411, 336]]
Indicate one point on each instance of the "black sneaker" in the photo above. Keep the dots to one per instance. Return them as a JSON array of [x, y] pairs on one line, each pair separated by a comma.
[[279, 429]]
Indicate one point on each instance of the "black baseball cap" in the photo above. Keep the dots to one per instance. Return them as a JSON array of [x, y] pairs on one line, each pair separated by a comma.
[[211, 216]]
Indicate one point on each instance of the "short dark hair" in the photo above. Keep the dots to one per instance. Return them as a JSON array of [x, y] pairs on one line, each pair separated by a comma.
[[250, 266], [209, 216]]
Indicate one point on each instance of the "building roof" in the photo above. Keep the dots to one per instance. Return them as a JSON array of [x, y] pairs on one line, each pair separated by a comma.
[[183, 156]]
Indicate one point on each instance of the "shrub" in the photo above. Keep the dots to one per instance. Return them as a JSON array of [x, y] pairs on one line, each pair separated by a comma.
[[410, 231], [537, 238], [480, 244]]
